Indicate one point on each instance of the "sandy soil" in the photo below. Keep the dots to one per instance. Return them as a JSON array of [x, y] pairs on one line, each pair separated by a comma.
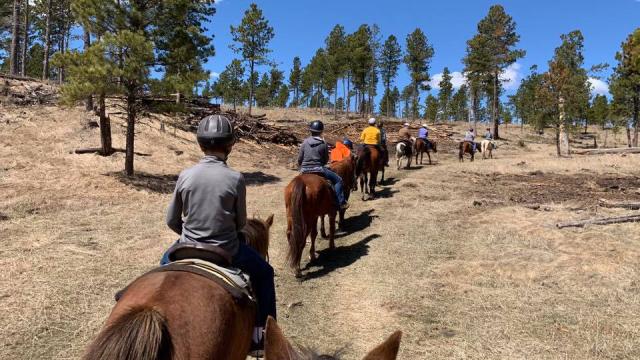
[[463, 257]]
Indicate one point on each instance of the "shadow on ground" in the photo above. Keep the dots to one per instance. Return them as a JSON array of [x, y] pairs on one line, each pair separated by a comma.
[[259, 178], [165, 184], [162, 184], [353, 224], [340, 257]]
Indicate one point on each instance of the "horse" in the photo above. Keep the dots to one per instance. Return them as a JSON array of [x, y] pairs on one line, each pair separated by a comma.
[[277, 347], [346, 170], [465, 147], [404, 152], [487, 147], [155, 320], [307, 198], [369, 162], [424, 146]]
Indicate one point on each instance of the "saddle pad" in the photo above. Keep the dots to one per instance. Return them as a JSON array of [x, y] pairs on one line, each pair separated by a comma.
[[233, 280]]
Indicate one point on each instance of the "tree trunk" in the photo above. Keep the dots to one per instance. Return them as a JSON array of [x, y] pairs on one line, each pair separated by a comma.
[[335, 101], [105, 128], [251, 68], [558, 139], [628, 136], [636, 110], [496, 121], [348, 95], [47, 43], [87, 44], [15, 39], [25, 40], [131, 135]]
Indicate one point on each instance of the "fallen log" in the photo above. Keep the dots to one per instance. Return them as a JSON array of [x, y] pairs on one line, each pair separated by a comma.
[[624, 205], [99, 151], [628, 150], [600, 221]]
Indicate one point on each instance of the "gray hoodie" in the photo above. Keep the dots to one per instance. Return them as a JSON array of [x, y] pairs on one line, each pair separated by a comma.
[[314, 154], [209, 205]]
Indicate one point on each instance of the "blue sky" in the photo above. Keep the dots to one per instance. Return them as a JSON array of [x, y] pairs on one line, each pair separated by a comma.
[[301, 27]]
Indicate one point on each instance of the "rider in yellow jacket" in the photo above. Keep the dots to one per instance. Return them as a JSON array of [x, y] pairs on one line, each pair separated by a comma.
[[371, 134]]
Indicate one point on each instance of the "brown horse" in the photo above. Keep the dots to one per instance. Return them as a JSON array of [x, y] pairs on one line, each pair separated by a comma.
[[307, 198], [421, 146], [155, 320], [277, 347], [465, 147], [346, 169], [369, 162]]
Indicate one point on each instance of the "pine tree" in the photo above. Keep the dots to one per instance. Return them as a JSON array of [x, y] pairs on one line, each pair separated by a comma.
[[527, 105], [445, 95], [459, 104], [431, 108], [418, 58], [47, 40], [15, 39], [335, 45], [252, 39], [231, 84], [490, 52], [283, 96], [625, 83], [295, 79], [390, 59], [566, 85], [263, 95], [361, 62], [599, 111]]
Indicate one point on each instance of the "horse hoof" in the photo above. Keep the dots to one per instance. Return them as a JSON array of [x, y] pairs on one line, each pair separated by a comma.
[[313, 257], [298, 274]]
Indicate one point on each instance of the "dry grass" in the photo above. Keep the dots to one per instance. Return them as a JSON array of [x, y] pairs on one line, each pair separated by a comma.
[[462, 281]]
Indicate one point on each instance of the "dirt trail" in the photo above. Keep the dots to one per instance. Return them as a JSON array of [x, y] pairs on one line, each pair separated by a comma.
[[449, 253]]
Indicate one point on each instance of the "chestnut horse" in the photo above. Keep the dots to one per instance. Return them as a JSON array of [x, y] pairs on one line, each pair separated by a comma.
[[421, 146], [307, 198], [465, 148], [346, 170], [179, 315], [369, 162], [277, 347]]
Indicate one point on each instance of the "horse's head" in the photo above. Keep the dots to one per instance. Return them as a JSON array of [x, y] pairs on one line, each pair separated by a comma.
[[277, 347], [256, 233], [434, 146]]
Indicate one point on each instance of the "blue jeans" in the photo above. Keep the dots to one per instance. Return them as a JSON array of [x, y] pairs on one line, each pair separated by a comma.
[[261, 274], [338, 186]]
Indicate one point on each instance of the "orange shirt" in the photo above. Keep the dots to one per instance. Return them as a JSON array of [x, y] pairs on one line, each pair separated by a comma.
[[340, 152]]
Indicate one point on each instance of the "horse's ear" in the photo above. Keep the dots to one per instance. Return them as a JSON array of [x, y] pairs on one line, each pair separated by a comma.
[[269, 220], [276, 346], [388, 350]]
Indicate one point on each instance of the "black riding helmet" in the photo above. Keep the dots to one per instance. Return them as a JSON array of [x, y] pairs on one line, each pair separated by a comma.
[[316, 127], [215, 130]]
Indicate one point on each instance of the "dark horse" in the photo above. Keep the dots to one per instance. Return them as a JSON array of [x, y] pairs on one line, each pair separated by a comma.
[[465, 148], [277, 347], [307, 198], [425, 146], [369, 162], [346, 169], [179, 315]]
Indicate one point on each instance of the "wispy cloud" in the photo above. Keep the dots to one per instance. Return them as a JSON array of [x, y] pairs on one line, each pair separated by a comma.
[[511, 78], [214, 75], [599, 87]]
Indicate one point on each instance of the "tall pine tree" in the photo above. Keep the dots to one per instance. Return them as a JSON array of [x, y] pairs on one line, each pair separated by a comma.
[[418, 58]]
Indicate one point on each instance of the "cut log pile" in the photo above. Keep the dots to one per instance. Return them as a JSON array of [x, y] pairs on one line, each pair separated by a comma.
[[15, 90]]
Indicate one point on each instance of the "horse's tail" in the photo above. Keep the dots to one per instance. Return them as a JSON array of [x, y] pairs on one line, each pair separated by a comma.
[[299, 227], [141, 334], [362, 158]]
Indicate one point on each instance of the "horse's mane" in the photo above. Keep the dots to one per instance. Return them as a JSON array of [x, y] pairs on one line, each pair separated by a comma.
[[256, 233]]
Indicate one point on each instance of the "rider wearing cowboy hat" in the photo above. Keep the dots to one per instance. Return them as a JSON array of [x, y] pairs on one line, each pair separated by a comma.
[[470, 137], [313, 158]]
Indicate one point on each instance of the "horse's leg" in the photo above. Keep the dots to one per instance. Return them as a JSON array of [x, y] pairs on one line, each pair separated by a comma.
[[332, 231], [372, 183], [314, 235], [382, 181], [429, 155], [322, 230]]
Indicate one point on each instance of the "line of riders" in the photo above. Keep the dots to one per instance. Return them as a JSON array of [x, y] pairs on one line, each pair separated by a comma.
[[208, 207]]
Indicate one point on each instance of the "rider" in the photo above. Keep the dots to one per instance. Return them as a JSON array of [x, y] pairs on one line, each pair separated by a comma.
[[488, 135], [423, 133], [209, 206], [404, 134], [314, 156], [383, 142], [470, 137], [371, 135], [341, 151]]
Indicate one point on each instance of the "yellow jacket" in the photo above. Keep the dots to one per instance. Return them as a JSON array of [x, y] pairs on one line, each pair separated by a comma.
[[370, 136]]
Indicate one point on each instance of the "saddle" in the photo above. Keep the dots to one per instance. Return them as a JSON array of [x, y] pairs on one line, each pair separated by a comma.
[[210, 262]]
